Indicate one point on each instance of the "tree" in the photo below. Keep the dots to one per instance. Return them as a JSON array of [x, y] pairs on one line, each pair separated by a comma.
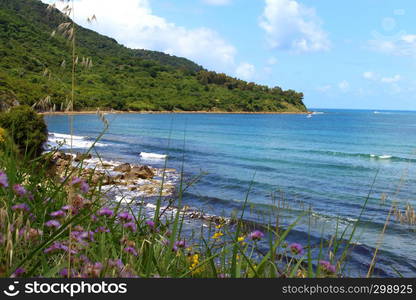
[[27, 129]]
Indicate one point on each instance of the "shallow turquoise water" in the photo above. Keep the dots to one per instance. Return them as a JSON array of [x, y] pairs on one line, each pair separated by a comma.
[[327, 162]]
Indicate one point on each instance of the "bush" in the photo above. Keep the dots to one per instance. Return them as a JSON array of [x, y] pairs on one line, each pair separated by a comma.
[[27, 128]]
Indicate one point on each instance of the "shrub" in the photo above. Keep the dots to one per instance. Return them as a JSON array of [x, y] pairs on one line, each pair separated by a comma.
[[27, 128]]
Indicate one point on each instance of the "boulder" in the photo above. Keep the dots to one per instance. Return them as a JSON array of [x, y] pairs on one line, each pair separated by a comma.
[[125, 168], [82, 156], [106, 166], [61, 155], [142, 172]]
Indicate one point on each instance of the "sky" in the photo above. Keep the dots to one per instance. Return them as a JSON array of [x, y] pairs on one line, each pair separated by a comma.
[[358, 54]]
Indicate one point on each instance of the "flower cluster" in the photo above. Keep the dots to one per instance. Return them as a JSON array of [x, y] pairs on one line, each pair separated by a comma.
[[327, 267], [296, 249], [256, 235], [4, 181]]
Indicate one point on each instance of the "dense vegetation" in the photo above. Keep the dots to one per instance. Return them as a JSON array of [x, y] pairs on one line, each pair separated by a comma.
[[26, 128], [35, 66]]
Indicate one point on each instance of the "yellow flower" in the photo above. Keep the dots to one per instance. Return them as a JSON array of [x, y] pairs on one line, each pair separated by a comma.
[[241, 239], [217, 235], [194, 260], [219, 226], [2, 135], [301, 274]]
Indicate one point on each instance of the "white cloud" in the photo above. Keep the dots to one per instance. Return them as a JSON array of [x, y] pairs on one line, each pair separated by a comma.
[[293, 26], [245, 71], [217, 2], [394, 79], [376, 77], [344, 85], [133, 24], [401, 45], [370, 75]]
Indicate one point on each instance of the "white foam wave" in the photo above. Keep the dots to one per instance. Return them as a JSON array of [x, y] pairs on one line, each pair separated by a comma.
[[152, 156], [55, 139], [381, 156], [385, 156]]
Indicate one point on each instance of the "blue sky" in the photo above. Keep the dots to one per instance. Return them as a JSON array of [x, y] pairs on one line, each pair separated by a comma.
[[341, 54]]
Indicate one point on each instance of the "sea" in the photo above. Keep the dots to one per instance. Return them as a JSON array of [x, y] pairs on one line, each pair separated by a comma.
[[343, 171]]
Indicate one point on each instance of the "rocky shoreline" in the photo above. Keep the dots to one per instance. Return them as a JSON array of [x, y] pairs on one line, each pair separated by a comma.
[[133, 183]]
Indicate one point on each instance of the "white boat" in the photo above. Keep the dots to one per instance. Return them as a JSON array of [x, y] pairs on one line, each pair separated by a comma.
[[309, 115]]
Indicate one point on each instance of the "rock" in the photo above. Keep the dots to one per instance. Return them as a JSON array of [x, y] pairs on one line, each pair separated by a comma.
[[61, 162], [108, 180], [106, 166], [142, 172], [60, 155], [82, 156], [125, 168]]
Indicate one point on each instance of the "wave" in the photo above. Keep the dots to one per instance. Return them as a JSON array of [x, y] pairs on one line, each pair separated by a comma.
[[381, 156], [152, 156], [363, 155], [63, 141]]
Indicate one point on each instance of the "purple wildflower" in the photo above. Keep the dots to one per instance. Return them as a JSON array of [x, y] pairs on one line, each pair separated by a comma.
[[256, 235], [85, 188], [30, 196], [21, 207], [131, 250], [76, 180], [18, 272], [19, 190], [67, 207], [82, 236], [117, 263], [4, 182], [59, 246], [125, 216], [132, 226], [179, 244], [105, 212], [84, 259], [66, 249], [53, 223], [150, 223], [102, 229], [22, 231], [64, 273], [55, 247], [57, 214], [327, 266], [296, 248]]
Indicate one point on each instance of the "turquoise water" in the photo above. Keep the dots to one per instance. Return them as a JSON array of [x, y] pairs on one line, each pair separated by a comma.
[[327, 163]]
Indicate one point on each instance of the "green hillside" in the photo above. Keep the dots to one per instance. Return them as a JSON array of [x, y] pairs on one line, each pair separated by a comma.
[[35, 65]]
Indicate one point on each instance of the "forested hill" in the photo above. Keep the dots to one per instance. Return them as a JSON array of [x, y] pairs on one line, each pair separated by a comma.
[[35, 65]]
